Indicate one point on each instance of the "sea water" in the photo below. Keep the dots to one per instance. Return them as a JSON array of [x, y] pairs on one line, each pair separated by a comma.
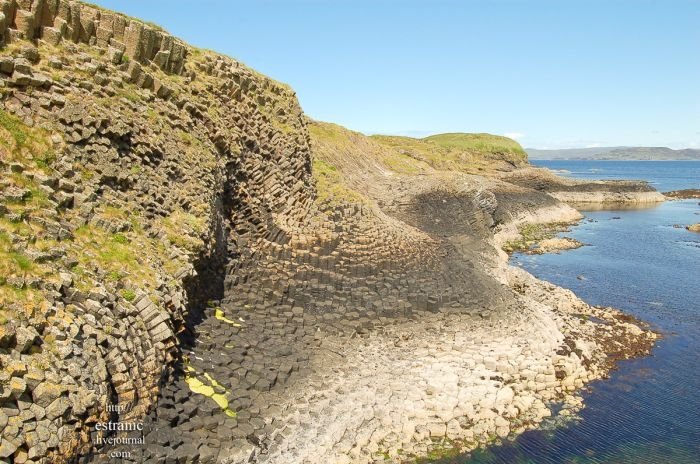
[[646, 263]]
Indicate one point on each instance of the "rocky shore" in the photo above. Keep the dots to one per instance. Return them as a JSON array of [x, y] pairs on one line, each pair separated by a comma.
[[387, 386], [575, 191], [448, 382], [186, 253], [683, 194], [539, 238], [554, 245]]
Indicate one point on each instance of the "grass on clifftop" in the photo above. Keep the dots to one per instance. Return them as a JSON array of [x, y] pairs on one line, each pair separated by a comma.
[[343, 159], [123, 15], [485, 143], [349, 149], [469, 153], [346, 160]]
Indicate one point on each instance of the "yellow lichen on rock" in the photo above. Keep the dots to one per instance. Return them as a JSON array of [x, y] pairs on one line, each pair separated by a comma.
[[220, 315], [210, 390]]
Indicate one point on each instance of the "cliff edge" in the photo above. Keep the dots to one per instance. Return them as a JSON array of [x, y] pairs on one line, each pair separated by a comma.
[[133, 165]]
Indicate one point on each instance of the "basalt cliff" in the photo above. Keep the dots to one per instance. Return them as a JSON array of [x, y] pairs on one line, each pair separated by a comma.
[[193, 271]]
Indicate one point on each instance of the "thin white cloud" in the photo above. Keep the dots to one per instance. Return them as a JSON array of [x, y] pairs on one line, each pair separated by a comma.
[[514, 135], [593, 145]]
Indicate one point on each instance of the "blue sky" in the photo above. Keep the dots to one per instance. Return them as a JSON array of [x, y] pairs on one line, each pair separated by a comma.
[[552, 73]]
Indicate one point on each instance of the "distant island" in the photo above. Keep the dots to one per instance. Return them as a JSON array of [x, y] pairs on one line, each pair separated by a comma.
[[616, 153]]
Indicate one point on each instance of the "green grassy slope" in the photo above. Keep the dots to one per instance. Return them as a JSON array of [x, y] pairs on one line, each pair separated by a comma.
[[480, 143], [468, 153], [345, 160]]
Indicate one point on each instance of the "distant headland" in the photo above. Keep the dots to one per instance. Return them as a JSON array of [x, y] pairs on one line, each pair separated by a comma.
[[616, 154]]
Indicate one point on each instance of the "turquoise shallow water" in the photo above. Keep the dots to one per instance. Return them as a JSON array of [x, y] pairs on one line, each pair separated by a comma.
[[636, 260]]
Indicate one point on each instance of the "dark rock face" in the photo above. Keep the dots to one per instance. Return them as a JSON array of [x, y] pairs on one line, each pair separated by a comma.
[[545, 181], [281, 302], [446, 213], [181, 157]]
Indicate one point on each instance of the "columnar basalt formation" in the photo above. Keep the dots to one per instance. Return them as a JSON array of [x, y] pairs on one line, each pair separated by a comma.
[[580, 191], [156, 166], [168, 258], [55, 21], [384, 325]]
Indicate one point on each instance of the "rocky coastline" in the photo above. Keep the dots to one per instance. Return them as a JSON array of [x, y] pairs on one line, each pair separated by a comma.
[[683, 194], [448, 383], [184, 251], [574, 191]]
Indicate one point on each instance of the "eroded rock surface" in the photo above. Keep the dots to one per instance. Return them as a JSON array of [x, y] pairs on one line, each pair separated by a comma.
[[683, 194], [580, 191]]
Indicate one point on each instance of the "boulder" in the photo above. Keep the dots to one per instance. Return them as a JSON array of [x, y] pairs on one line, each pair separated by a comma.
[[7, 336], [46, 393], [7, 65], [23, 66], [51, 35], [7, 448], [57, 408], [17, 386], [25, 338], [24, 22]]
